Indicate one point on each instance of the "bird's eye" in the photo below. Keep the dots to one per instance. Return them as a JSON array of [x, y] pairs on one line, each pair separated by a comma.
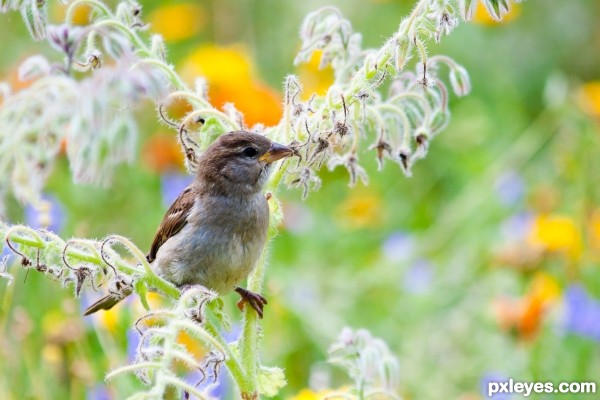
[[250, 152]]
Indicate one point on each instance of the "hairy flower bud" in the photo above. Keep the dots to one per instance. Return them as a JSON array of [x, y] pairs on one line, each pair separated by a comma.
[[403, 52], [459, 79]]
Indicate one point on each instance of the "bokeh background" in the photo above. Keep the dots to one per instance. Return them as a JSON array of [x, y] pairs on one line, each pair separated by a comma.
[[482, 266]]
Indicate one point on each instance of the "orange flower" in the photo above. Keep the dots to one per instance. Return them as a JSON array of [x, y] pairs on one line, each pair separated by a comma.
[[483, 17], [524, 316], [178, 21], [12, 78], [543, 293], [588, 97], [162, 153], [556, 234], [231, 79]]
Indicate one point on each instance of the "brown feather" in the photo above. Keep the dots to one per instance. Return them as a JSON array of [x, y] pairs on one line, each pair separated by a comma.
[[174, 220]]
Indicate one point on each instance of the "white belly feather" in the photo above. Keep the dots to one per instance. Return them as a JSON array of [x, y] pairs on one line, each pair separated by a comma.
[[216, 253]]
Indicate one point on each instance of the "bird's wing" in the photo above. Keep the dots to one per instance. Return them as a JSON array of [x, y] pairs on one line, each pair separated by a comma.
[[174, 220]]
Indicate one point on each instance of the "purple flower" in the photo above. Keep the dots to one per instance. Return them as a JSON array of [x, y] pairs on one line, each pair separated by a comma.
[[398, 247], [85, 300], [49, 214], [98, 392], [517, 227], [233, 335], [582, 313], [133, 341], [509, 188], [493, 378], [172, 184], [216, 389], [298, 218], [7, 256], [417, 278]]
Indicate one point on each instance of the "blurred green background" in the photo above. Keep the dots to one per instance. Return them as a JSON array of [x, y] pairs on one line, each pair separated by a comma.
[[482, 266]]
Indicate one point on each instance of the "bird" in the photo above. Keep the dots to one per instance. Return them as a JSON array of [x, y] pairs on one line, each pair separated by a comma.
[[214, 232]]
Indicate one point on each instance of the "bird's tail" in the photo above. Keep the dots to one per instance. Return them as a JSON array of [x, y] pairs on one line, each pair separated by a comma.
[[107, 302]]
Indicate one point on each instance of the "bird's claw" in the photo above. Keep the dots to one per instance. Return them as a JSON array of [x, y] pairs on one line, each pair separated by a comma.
[[255, 300]]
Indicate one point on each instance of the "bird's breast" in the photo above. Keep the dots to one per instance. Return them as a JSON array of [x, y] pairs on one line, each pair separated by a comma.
[[219, 246]]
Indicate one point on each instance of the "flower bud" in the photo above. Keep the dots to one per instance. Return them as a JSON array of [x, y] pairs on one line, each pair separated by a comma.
[[467, 8], [403, 52], [34, 15], [33, 68], [158, 47], [459, 79]]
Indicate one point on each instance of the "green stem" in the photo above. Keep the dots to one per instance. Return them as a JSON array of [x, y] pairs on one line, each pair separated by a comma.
[[248, 343], [232, 362], [168, 70], [134, 38], [132, 368]]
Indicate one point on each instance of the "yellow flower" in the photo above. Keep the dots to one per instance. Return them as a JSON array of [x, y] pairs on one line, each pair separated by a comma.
[[231, 79], [594, 229], [360, 211], [545, 288], [483, 17], [52, 354], [110, 318], [556, 234], [218, 65], [193, 345], [178, 21], [313, 79], [308, 394], [81, 14], [589, 98]]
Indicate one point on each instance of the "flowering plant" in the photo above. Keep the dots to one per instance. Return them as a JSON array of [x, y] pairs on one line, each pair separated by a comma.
[[113, 59]]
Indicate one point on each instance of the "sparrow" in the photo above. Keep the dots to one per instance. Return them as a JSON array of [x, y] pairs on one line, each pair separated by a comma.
[[214, 232]]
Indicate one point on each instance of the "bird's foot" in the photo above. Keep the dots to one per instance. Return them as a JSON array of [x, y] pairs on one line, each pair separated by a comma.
[[255, 300]]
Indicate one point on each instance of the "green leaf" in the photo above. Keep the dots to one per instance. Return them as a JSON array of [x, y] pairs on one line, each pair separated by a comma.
[[216, 306], [142, 291], [270, 380], [496, 8], [467, 8], [34, 16], [211, 129]]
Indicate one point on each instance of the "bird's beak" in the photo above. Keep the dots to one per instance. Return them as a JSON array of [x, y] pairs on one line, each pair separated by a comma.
[[276, 152]]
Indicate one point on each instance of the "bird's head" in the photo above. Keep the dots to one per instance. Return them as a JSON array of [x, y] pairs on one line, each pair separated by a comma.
[[238, 162]]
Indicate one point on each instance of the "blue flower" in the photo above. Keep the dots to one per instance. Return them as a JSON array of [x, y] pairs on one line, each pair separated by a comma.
[[217, 390], [48, 214], [517, 227], [98, 392], [582, 313], [510, 188], [398, 247], [7, 256], [493, 377], [172, 184], [417, 278], [133, 341]]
